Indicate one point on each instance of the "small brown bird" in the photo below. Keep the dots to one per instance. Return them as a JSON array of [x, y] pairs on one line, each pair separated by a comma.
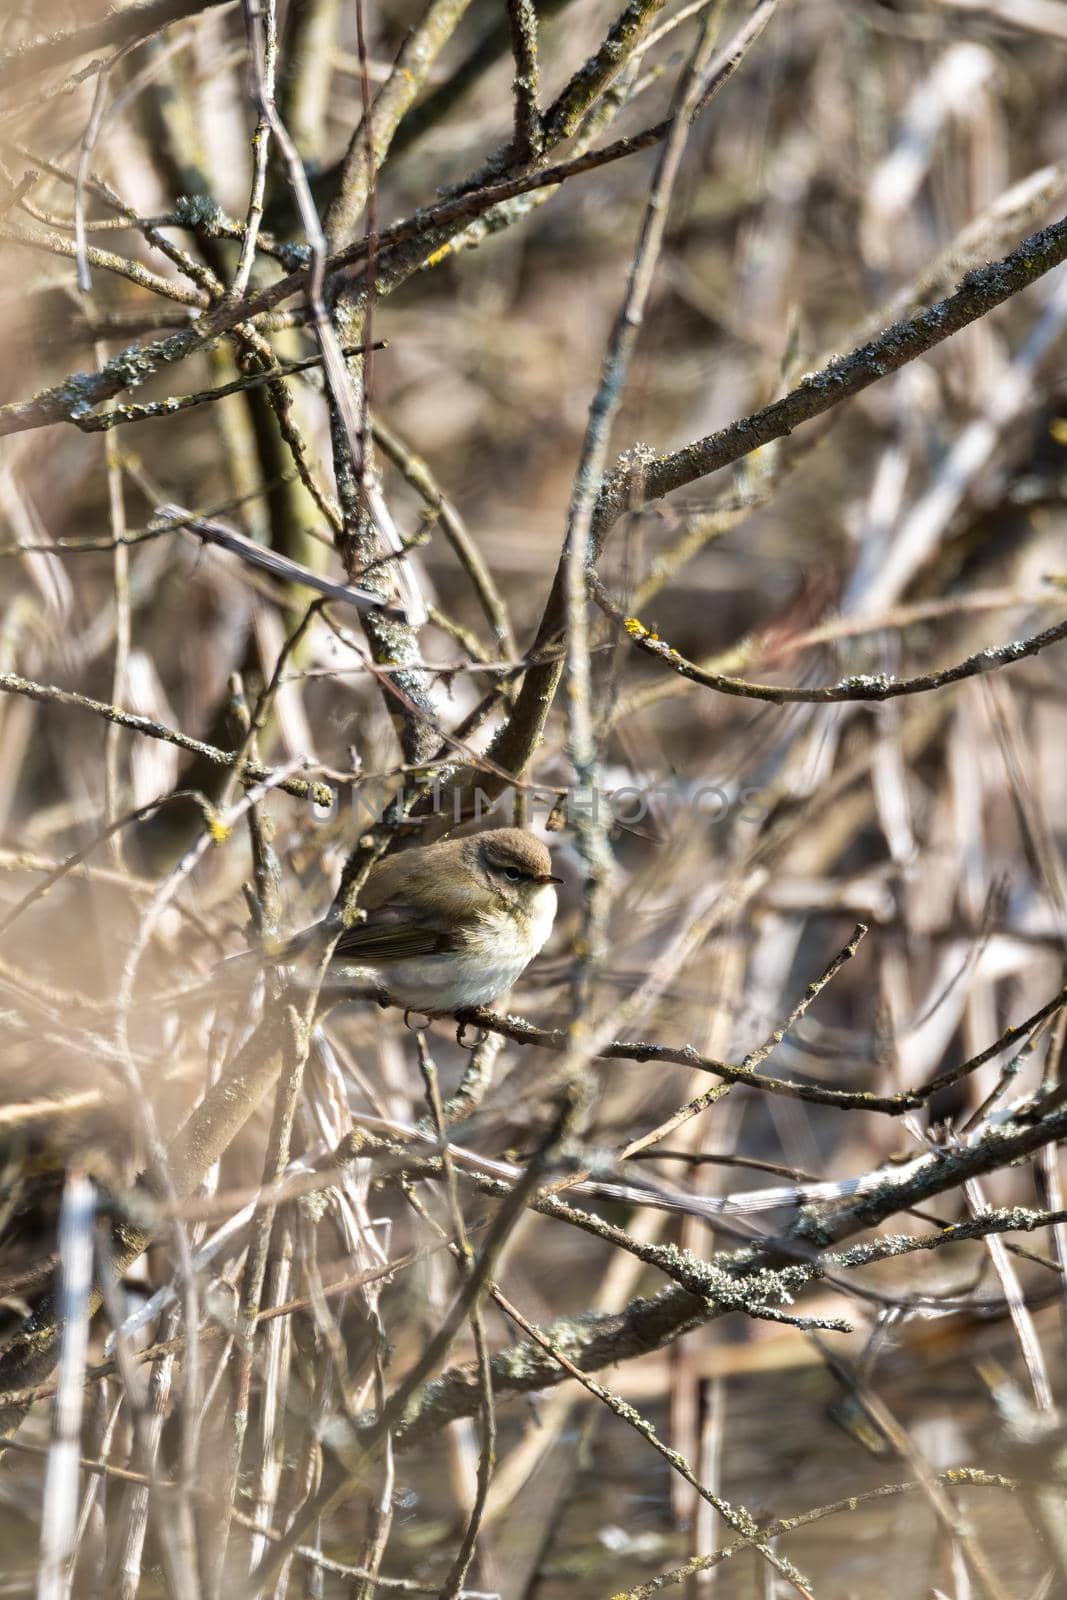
[[448, 925]]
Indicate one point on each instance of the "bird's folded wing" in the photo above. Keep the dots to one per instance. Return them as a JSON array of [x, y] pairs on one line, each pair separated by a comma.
[[391, 933]]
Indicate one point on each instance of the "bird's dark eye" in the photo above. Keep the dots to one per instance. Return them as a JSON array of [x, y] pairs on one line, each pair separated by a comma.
[[512, 874]]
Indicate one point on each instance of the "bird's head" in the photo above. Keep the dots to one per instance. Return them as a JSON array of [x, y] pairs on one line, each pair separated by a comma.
[[517, 867]]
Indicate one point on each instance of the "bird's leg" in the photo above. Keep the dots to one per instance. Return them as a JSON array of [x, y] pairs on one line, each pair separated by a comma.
[[416, 1027], [462, 1024]]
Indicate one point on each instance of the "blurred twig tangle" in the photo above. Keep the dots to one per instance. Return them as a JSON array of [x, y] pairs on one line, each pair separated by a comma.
[[641, 422]]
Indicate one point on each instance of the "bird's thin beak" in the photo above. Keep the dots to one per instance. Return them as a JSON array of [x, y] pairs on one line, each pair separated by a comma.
[[546, 877]]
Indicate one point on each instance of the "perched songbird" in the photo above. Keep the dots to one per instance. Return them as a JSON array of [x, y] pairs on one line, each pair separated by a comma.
[[447, 926]]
